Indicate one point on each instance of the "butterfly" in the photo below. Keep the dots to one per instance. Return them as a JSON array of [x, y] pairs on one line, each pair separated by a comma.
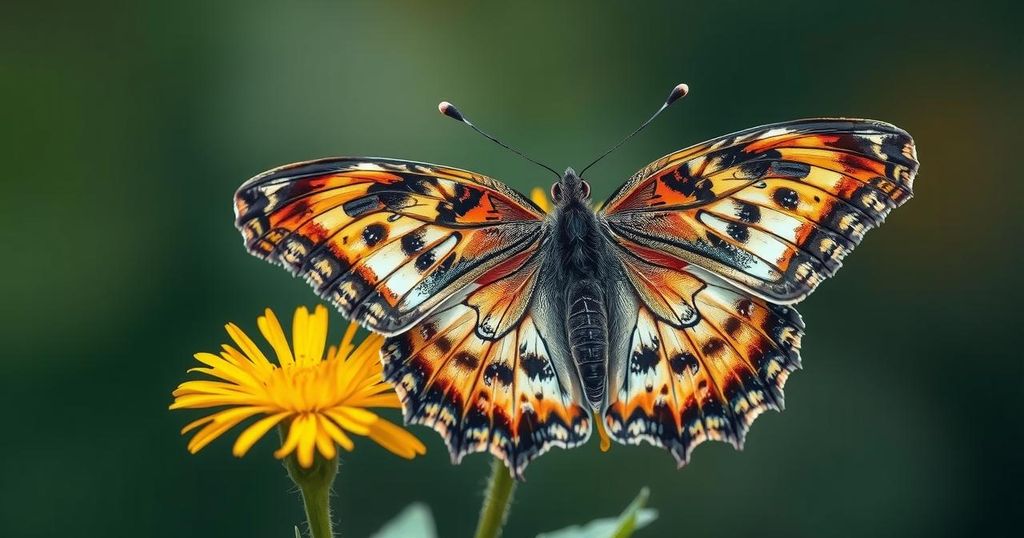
[[665, 316]]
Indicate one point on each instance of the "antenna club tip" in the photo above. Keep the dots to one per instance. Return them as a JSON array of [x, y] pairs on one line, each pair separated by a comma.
[[678, 92], [448, 109]]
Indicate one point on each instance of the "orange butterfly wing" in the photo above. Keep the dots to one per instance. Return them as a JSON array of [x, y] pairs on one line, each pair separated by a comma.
[[446, 262], [703, 369], [712, 241], [384, 240], [489, 370], [774, 209]]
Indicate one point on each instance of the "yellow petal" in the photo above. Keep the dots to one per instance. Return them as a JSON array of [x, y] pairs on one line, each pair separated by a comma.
[[195, 424], [300, 330], [354, 371], [202, 401], [207, 435], [357, 414], [316, 337], [258, 370], [370, 389], [388, 400], [225, 370], [255, 432], [272, 331], [346, 346], [396, 439], [339, 436], [203, 386], [346, 422], [540, 198], [290, 441], [248, 347], [307, 441], [346, 376], [324, 443], [220, 423]]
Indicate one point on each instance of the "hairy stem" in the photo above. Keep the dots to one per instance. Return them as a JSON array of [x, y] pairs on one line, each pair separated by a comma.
[[315, 485], [496, 503]]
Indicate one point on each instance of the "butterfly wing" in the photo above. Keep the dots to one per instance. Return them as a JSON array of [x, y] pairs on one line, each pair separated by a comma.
[[773, 209], [713, 241], [384, 240], [700, 364], [490, 371]]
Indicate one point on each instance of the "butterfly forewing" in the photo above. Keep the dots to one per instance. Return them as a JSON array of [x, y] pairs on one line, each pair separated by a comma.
[[773, 209], [384, 240]]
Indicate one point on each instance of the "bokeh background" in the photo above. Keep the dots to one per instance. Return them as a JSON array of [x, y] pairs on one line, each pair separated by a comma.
[[127, 126]]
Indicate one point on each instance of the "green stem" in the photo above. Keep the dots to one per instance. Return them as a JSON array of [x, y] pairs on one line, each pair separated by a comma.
[[496, 504], [315, 484]]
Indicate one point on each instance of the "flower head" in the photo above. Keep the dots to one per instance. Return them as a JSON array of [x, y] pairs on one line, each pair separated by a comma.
[[320, 398]]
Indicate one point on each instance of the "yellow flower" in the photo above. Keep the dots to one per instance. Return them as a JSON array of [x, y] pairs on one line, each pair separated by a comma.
[[320, 399]]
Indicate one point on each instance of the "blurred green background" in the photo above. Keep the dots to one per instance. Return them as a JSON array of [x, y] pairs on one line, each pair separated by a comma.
[[126, 128]]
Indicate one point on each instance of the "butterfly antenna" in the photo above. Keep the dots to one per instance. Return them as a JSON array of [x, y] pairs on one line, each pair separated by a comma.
[[677, 93], [449, 110]]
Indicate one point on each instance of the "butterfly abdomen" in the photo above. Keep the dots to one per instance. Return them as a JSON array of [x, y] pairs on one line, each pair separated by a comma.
[[587, 328]]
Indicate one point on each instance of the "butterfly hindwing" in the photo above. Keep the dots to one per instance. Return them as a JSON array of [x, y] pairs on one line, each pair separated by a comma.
[[773, 209], [488, 370], [384, 240], [703, 370]]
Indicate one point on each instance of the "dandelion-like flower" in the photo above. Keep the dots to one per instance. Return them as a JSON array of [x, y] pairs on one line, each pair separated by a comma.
[[321, 399]]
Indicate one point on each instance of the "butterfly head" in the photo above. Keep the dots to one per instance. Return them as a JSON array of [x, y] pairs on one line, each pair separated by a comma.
[[571, 188]]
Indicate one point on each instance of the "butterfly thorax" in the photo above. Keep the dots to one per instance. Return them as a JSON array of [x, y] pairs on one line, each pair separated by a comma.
[[577, 231]]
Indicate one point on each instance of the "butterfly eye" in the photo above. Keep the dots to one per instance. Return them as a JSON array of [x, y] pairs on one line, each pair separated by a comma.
[[586, 189], [556, 192]]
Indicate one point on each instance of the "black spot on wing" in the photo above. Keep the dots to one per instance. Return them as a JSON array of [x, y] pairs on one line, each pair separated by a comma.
[[644, 359], [535, 366], [498, 371], [466, 199], [374, 233], [444, 344], [682, 182], [425, 261], [713, 347], [749, 213], [786, 197], [738, 232], [467, 361], [412, 242], [684, 362], [745, 308], [732, 326]]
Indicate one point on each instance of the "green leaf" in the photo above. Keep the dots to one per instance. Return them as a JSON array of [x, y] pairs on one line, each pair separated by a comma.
[[414, 520], [297, 533], [633, 518]]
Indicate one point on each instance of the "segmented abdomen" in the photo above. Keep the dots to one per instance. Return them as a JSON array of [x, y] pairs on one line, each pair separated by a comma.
[[587, 326]]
